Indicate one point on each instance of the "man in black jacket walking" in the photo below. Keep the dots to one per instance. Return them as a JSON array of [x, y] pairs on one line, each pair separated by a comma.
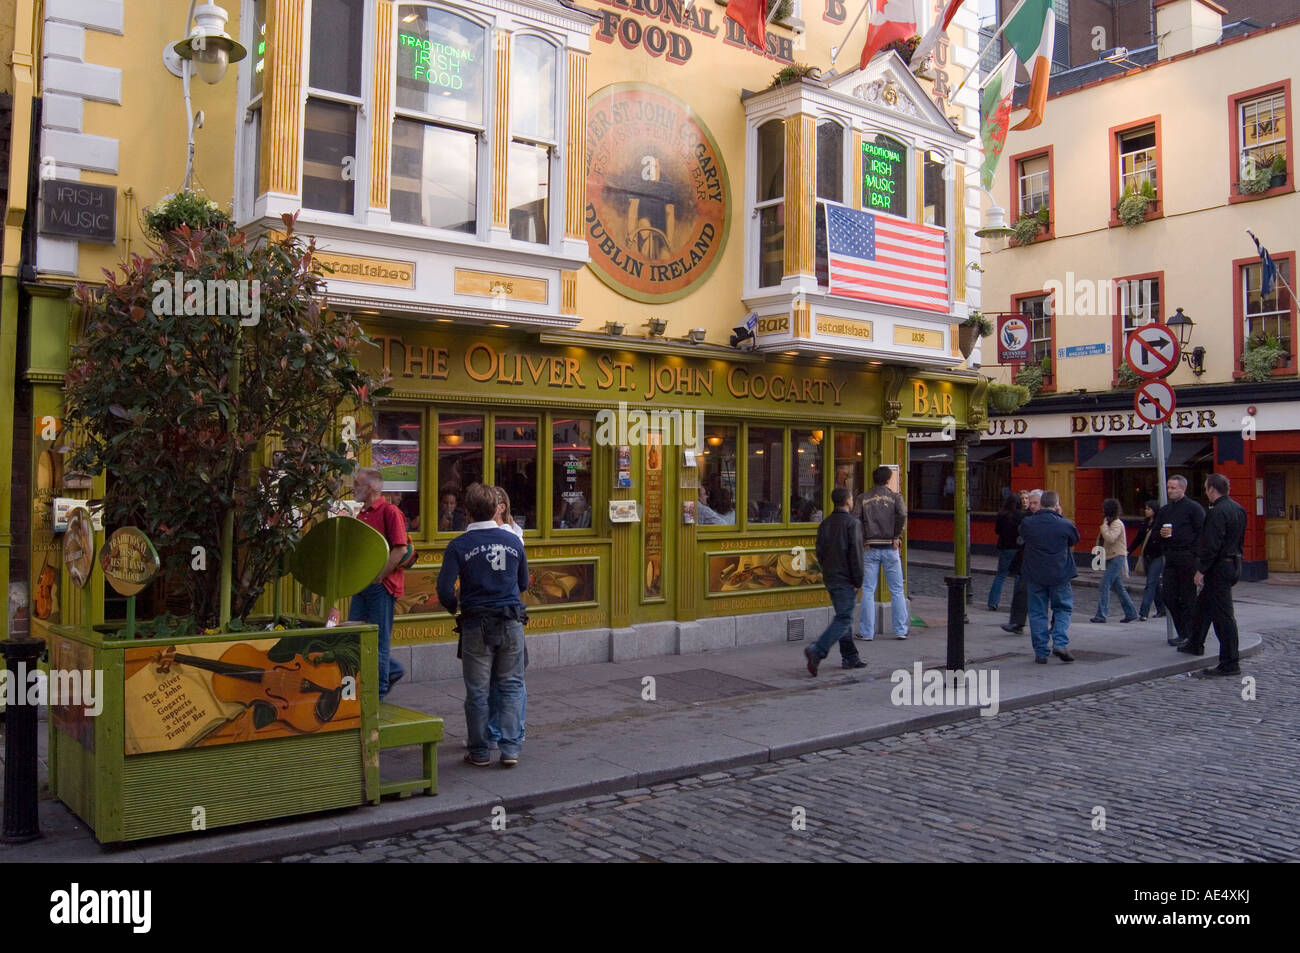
[[1179, 524], [839, 551], [1218, 567]]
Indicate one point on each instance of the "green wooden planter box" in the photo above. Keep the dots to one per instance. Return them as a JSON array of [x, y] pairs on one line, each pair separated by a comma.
[[127, 796]]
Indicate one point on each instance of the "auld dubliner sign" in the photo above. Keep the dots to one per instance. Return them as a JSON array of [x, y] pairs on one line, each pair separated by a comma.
[[658, 198]]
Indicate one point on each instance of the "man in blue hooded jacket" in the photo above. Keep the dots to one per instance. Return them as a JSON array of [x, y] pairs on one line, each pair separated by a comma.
[[1048, 567]]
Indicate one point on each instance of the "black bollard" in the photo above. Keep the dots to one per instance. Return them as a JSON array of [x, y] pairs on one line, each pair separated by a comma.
[[956, 621], [21, 822]]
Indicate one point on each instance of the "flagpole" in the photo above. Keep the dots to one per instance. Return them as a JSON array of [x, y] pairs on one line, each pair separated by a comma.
[[971, 72], [1277, 272], [836, 50]]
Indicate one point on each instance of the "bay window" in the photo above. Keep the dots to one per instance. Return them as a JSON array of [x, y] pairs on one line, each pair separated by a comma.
[[533, 137], [770, 203], [439, 120], [329, 142]]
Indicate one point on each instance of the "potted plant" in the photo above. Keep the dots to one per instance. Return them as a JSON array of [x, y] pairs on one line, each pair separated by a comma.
[[905, 48], [1278, 171], [1263, 353], [1256, 178], [1126, 376], [793, 73], [1028, 227], [1133, 204], [1007, 398], [220, 431], [972, 329], [1030, 377]]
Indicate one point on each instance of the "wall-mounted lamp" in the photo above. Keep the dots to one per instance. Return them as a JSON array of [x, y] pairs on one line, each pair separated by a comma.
[[696, 335], [614, 328], [1181, 325], [657, 327]]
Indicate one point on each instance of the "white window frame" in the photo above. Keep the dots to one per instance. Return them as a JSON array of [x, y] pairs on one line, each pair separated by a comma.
[[555, 168], [1022, 178], [483, 170], [364, 114], [248, 133], [1048, 317], [753, 265], [1148, 292], [1150, 169], [846, 182], [1282, 313]]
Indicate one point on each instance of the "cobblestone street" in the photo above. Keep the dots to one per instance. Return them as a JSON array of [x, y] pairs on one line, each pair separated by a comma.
[[1173, 769]]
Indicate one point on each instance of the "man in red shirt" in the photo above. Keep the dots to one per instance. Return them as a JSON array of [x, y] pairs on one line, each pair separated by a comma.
[[376, 602]]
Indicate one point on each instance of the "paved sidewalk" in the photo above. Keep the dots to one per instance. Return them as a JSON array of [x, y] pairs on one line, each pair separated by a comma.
[[591, 732]]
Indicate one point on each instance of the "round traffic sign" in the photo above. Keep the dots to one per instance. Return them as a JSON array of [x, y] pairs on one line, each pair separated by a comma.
[[1154, 402], [1152, 351]]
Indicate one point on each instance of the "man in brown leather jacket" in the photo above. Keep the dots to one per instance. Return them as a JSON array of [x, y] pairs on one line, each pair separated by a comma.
[[883, 515]]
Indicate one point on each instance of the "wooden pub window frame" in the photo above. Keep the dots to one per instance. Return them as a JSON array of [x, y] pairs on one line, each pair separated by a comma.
[[1051, 188], [742, 480], [1239, 316], [1157, 208], [1118, 335], [1015, 309], [1235, 101]]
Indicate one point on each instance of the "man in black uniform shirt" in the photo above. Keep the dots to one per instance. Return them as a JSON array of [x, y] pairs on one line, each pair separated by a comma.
[[1218, 567], [1179, 523]]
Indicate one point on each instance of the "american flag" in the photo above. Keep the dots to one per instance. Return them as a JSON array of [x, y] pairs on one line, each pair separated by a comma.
[[883, 258]]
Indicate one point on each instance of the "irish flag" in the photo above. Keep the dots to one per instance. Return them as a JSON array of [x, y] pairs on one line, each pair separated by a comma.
[[995, 116], [1030, 31]]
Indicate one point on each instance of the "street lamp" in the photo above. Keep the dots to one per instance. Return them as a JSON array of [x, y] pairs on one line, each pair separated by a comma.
[[207, 50], [1181, 325]]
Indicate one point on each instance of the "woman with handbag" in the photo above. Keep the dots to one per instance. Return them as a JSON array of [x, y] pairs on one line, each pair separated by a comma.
[[1147, 543], [1113, 539]]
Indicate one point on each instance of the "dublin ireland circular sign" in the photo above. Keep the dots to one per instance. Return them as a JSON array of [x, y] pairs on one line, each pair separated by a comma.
[[658, 200]]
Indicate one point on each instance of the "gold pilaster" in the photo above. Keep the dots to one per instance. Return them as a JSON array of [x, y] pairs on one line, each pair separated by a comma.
[[282, 97], [576, 146], [855, 183], [381, 131], [959, 232], [802, 319], [800, 194], [568, 292], [501, 132]]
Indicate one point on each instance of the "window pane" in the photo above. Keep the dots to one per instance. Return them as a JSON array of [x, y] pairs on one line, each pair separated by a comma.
[[765, 491], [255, 131], [516, 466], [570, 473], [771, 160], [936, 194], [337, 27], [717, 493], [460, 463], [258, 53], [435, 176], [395, 452], [527, 190], [849, 462], [821, 259], [1263, 129], [440, 64], [1038, 313], [806, 474], [532, 88], [830, 161], [1267, 316], [1139, 303], [1137, 159], [1034, 184], [771, 245], [329, 137]]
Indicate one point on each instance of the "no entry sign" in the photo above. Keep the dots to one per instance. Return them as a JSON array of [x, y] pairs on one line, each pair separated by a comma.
[[1154, 402], [1152, 351]]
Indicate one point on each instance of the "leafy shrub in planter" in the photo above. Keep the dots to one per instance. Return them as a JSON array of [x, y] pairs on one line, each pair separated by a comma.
[[1007, 398], [1133, 205], [1031, 378], [1255, 180], [1027, 227], [1126, 376], [1261, 357], [977, 320], [183, 208], [793, 72]]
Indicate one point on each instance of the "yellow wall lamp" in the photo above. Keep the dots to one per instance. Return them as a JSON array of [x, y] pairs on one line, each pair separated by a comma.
[[207, 50]]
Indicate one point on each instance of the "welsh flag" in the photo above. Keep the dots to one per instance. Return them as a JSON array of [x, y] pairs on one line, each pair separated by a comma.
[[752, 17], [1031, 30], [995, 116], [890, 20], [931, 38]]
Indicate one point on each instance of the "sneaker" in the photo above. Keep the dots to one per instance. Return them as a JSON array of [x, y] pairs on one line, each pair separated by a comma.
[[471, 760], [856, 663], [1098, 619], [509, 762], [865, 638], [1142, 618], [903, 636]]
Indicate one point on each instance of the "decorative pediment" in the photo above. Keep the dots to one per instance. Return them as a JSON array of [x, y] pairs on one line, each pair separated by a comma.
[[887, 84]]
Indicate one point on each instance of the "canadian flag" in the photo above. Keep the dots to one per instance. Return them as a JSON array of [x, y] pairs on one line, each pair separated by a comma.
[[891, 20]]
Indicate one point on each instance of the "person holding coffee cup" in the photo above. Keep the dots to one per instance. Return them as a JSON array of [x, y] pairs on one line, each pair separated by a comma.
[[1181, 521]]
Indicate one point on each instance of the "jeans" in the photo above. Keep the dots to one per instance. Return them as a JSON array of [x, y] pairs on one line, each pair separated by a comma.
[[1060, 599], [873, 561], [1152, 591], [1005, 558], [1113, 578], [374, 604], [843, 598], [494, 706], [492, 657]]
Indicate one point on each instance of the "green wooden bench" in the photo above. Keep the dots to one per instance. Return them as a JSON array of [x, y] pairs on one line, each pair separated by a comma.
[[399, 727]]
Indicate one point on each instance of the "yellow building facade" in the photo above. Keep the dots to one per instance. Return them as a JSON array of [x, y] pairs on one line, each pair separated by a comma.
[[553, 219]]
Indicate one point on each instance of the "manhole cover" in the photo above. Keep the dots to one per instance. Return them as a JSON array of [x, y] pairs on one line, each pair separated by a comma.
[[697, 685], [1086, 655]]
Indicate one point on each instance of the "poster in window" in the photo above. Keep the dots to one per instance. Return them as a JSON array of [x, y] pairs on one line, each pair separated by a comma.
[[658, 193]]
